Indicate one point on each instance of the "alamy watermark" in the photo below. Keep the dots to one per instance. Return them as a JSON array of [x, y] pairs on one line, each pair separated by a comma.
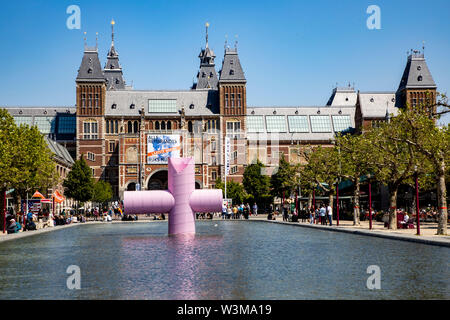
[[374, 281], [374, 20], [74, 280], [74, 20]]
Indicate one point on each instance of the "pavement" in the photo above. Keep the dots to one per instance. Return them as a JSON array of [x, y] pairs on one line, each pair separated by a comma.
[[427, 229]]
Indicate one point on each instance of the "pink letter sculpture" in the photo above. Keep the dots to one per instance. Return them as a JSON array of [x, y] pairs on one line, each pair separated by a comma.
[[181, 200]]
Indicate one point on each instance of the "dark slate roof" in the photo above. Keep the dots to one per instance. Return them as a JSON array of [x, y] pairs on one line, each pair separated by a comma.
[[416, 74], [113, 70], [90, 68], [60, 153], [231, 67], [206, 78]]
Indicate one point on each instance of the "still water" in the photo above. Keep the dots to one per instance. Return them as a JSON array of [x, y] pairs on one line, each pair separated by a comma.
[[225, 260]]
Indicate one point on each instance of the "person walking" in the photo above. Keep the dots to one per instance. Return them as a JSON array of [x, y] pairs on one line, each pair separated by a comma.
[[224, 211], [330, 214], [311, 215], [255, 209], [322, 214]]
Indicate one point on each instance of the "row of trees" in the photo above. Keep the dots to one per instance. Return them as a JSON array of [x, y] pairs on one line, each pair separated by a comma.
[[26, 162], [392, 154]]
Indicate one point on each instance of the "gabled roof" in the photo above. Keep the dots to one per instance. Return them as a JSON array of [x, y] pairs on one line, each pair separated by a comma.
[[416, 74], [60, 153], [377, 104], [345, 96], [231, 67], [90, 68]]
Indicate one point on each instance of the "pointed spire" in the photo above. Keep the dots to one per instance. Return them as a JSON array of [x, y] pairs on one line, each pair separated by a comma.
[[207, 26], [112, 31]]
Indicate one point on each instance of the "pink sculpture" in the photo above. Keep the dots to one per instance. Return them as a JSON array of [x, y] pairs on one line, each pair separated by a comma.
[[181, 200]]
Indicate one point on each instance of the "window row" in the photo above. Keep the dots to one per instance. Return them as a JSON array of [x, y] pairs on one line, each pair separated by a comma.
[[255, 124], [233, 100]]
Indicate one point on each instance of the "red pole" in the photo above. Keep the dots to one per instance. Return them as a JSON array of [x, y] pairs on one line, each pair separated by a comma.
[[370, 206], [4, 211], [417, 205], [296, 201], [337, 204], [314, 205]]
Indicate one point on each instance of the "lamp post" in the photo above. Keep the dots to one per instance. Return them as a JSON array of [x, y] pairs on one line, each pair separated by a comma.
[[370, 205], [4, 209], [417, 200], [337, 204]]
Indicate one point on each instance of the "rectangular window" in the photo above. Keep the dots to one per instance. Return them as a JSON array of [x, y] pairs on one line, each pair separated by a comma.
[[90, 100], [255, 123], [45, 124], [90, 130], [96, 100], [234, 169], [91, 156], [83, 99], [276, 123], [23, 120], [226, 99], [232, 99], [112, 146], [341, 123], [213, 160], [214, 175], [320, 123], [238, 99], [298, 124], [213, 146], [67, 124], [162, 106]]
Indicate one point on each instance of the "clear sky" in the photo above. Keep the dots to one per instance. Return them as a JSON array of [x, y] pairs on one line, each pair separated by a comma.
[[292, 52]]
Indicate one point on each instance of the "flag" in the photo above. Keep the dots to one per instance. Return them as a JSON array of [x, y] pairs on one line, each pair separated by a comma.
[[37, 194], [58, 197]]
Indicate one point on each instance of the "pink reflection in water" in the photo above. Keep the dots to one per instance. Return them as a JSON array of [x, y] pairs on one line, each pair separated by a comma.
[[182, 257]]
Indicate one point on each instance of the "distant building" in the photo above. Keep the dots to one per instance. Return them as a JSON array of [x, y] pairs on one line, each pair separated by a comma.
[[122, 132]]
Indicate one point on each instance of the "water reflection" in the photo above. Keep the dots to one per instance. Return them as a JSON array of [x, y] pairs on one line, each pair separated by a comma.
[[232, 260]]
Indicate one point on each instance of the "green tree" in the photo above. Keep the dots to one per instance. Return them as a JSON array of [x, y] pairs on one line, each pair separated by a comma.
[[79, 184], [354, 152], [235, 190], [34, 163], [102, 192], [324, 167], [433, 143], [392, 161], [256, 183], [285, 180]]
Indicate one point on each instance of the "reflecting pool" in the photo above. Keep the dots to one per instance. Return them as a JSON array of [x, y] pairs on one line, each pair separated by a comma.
[[225, 260]]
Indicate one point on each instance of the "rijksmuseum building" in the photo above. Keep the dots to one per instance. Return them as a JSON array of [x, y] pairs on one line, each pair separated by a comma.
[[123, 133]]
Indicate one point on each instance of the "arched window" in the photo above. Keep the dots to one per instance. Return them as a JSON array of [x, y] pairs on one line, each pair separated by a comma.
[[135, 127], [130, 127], [169, 125], [116, 127], [107, 126], [163, 125], [190, 126], [157, 125]]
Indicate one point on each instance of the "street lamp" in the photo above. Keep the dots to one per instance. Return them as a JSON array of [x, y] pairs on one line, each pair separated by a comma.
[[370, 206], [417, 200]]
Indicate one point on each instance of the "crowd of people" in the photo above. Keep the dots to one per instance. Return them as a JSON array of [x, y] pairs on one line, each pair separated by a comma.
[[239, 211]]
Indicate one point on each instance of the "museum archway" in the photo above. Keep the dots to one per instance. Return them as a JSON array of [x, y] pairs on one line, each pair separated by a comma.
[[158, 181], [131, 186]]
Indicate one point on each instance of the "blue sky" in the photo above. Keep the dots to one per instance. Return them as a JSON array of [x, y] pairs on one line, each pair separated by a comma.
[[292, 52]]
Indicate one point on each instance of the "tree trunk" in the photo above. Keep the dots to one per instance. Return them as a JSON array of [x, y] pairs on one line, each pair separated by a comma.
[[393, 207], [330, 200], [442, 202], [310, 200], [356, 209], [2, 200]]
